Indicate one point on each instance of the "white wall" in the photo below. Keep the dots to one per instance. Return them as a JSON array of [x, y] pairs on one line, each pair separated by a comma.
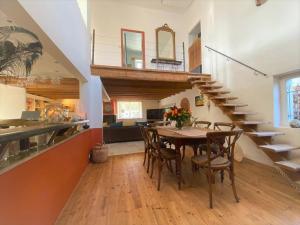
[[63, 23], [107, 18], [266, 37], [12, 102]]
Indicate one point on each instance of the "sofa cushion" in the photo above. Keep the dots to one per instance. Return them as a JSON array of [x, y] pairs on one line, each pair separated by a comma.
[[118, 124], [127, 123]]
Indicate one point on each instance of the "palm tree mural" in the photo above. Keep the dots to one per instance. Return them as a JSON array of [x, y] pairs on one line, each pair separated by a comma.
[[19, 50]]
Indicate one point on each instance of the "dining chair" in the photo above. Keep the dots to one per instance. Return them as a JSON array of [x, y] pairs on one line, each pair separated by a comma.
[[222, 160], [223, 126], [163, 155], [196, 124], [147, 148], [202, 124], [199, 124]]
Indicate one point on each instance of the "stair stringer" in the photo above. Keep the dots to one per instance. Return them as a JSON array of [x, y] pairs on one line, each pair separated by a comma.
[[270, 155]]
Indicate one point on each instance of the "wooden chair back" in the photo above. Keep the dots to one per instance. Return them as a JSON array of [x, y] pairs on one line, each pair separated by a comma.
[[153, 139], [145, 136], [222, 126], [202, 124], [224, 141]]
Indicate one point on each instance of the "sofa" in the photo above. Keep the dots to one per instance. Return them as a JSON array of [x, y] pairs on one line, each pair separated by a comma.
[[122, 134]]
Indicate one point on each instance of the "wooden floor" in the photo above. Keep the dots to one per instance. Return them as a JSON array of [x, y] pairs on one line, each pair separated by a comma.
[[120, 192]]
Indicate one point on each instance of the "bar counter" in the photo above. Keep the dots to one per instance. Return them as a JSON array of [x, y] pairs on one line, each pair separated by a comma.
[[15, 146], [11, 134], [35, 187]]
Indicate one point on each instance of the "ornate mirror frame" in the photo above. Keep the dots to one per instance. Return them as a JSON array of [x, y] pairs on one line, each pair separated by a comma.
[[165, 28]]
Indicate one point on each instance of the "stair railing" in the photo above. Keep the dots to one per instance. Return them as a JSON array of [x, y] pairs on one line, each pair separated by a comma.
[[237, 61]]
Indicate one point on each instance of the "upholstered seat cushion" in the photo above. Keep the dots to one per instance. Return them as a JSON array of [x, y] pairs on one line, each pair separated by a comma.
[[217, 162]]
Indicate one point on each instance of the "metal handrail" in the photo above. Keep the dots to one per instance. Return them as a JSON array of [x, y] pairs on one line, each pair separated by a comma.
[[228, 57]]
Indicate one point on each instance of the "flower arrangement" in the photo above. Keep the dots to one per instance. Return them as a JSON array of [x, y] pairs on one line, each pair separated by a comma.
[[180, 115]]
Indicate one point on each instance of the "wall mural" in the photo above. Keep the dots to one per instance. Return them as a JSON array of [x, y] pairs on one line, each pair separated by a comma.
[[19, 50]]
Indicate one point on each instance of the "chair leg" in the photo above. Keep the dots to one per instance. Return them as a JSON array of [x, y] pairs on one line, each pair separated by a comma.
[[160, 166], [193, 167], [200, 150], [222, 176], [233, 185], [145, 156], [209, 176], [152, 166], [148, 161], [183, 152], [169, 164]]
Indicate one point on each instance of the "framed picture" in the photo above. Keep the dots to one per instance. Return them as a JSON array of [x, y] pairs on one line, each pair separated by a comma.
[[199, 100], [107, 108]]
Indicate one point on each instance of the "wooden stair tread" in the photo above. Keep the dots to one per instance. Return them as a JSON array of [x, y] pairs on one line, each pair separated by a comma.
[[279, 147], [264, 133], [195, 77], [224, 98], [250, 122], [210, 86], [242, 113], [216, 92], [233, 105], [293, 166], [203, 82]]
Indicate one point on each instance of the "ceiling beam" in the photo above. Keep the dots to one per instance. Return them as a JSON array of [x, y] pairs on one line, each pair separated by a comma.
[[115, 72]]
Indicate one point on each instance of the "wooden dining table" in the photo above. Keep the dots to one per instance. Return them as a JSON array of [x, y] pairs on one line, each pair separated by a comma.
[[187, 136]]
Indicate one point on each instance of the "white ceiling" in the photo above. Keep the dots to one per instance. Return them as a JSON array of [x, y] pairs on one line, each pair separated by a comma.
[[46, 66], [169, 5]]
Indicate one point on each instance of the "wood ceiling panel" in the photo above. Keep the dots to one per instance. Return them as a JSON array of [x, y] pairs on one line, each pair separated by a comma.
[[141, 89], [67, 89]]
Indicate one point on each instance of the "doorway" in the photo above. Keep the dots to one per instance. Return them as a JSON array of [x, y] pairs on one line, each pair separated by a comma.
[[195, 63]]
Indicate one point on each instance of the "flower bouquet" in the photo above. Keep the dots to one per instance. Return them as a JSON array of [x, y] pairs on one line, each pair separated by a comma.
[[180, 115]]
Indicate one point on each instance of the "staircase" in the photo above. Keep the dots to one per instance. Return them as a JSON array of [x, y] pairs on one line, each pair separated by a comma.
[[278, 153]]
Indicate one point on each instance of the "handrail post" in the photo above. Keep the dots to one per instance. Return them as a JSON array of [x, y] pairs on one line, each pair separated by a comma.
[[93, 47], [183, 53]]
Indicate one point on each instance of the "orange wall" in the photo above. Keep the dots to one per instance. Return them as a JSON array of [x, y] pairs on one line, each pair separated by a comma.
[[35, 192]]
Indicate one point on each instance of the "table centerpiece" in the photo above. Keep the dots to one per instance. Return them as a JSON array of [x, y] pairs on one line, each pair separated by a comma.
[[180, 115]]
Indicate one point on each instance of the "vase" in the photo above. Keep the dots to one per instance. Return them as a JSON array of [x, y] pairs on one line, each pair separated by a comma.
[[179, 124]]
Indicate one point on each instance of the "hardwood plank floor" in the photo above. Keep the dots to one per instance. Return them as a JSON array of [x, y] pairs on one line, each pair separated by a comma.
[[120, 192]]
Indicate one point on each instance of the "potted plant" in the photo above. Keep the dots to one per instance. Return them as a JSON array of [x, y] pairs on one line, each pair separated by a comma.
[[180, 115]]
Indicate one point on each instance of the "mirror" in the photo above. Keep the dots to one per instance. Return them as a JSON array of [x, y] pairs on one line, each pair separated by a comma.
[[133, 49], [165, 43]]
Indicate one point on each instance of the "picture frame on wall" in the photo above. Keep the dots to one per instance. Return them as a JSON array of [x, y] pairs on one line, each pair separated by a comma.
[[107, 108], [199, 100]]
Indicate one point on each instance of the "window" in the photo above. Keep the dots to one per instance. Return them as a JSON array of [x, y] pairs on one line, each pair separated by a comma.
[[129, 110], [293, 98], [286, 93]]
